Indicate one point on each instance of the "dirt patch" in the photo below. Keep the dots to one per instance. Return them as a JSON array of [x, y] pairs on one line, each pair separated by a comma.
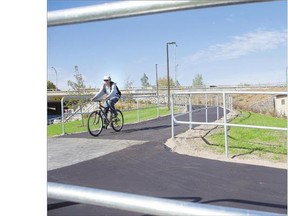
[[194, 143]]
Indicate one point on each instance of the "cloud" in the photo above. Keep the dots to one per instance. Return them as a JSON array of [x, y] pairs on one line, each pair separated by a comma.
[[241, 45]]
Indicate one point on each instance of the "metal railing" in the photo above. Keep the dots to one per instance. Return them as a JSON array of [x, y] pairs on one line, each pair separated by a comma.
[[141, 204], [131, 8], [136, 203], [154, 100], [225, 124]]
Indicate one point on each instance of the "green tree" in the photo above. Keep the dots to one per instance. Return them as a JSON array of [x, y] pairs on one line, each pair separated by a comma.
[[128, 87], [50, 85], [163, 82], [144, 81], [197, 81], [177, 84], [78, 89], [78, 86]]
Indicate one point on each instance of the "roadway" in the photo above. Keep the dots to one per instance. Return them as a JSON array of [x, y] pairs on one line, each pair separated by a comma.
[[136, 160]]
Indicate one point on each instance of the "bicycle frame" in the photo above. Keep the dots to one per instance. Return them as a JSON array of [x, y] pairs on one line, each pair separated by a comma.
[[102, 109]]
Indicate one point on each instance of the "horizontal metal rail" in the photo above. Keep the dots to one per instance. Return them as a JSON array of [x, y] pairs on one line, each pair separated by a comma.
[[225, 124], [233, 92], [232, 125], [139, 203], [131, 8]]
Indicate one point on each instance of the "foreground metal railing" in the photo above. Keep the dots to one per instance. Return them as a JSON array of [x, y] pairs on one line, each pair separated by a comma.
[[124, 201], [141, 204], [131, 8], [225, 123]]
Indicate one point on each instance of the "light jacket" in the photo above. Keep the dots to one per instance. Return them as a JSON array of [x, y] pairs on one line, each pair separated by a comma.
[[111, 92]]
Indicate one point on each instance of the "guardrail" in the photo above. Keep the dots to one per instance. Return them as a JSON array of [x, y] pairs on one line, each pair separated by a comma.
[[130, 202], [141, 204], [131, 8], [87, 97], [225, 124]]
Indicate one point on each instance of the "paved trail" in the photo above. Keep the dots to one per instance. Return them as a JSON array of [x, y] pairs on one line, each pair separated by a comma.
[[136, 161]]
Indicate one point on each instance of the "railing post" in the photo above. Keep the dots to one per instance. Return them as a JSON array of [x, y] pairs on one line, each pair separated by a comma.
[[206, 113], [62, 115], [138, 114], [225, 124], [231, 103], [172, 115], [158, 108], [190, 111], [217, 104]]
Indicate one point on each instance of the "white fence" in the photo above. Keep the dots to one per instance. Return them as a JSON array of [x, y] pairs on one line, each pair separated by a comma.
[[225, 124], [125, 9]]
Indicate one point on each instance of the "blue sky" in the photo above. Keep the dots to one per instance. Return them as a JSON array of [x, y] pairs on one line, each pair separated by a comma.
[[227, 45]]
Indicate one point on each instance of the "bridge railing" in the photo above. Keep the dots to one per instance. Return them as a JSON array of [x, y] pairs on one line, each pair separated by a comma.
[[225, 122]]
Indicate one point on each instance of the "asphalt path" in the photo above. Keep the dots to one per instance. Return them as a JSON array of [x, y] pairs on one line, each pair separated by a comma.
[[143, 165]]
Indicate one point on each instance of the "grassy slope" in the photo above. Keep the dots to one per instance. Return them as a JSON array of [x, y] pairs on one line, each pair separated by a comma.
[[256, 141]]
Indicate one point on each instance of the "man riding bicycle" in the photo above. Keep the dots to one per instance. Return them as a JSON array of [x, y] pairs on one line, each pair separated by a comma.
[[111, 94]]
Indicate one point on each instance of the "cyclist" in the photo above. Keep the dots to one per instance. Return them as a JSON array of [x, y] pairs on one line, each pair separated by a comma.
[[110, 92]]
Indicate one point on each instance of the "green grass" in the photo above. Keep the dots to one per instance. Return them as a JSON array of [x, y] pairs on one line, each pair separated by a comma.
[[129, 117], [250, 140]]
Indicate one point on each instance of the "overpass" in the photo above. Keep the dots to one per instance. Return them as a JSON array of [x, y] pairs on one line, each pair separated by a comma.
[[56, 96]]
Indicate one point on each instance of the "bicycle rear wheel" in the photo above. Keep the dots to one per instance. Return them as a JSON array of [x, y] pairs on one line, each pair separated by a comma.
[[95, 123], [118, 121]]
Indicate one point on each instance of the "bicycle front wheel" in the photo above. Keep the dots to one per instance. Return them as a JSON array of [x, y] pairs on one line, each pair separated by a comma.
[[95, 123], [118, 121]]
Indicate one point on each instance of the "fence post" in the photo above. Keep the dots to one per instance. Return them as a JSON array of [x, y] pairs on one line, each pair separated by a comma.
[[217, 104], [138, 114], [206, 112], [172, 115], [158, 108], [225, 124], [231, 103], [190, 111], [62, 115]]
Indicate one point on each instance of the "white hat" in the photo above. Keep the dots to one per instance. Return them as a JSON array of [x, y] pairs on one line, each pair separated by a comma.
[[107, 77]]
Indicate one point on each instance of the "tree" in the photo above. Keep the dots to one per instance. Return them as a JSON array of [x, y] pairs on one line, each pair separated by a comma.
[[128, 87], [144, 81], [78, 89], [197, 81], [50, 85], [177, 84], [163, 82], [79, 85], [128, 83]]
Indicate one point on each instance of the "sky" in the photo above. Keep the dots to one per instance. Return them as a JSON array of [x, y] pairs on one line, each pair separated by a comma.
[[227, 45]]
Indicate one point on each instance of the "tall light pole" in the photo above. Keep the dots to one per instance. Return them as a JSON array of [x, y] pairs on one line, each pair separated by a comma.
[[175, 65], [56, 76], [168, 76]]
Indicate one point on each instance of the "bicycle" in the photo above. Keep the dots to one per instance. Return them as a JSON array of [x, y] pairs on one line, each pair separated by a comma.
[[98, 119]]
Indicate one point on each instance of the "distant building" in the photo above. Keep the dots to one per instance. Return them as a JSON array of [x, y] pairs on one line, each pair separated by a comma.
[[281, 104]]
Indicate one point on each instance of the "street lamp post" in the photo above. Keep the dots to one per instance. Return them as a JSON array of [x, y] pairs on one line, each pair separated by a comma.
[[56, 76], [175, 78], [168, 76]]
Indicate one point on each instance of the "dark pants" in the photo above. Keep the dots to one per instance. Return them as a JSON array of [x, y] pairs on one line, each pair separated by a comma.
[[110, 103]]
